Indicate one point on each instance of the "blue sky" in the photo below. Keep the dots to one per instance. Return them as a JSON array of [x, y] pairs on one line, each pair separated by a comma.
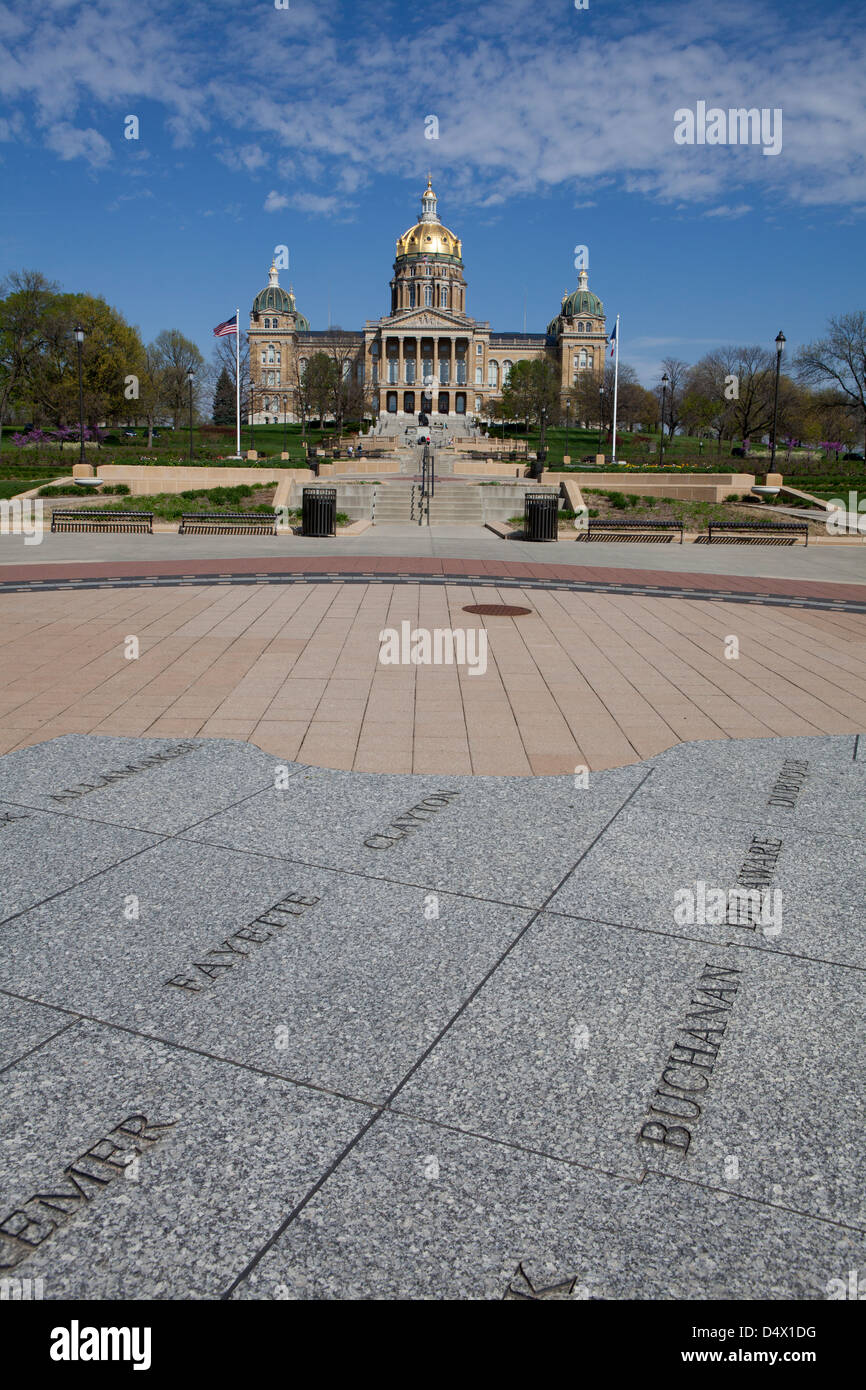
[[305, 126]]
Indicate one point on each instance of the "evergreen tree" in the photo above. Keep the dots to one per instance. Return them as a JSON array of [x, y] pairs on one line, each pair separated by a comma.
[[224, 400]]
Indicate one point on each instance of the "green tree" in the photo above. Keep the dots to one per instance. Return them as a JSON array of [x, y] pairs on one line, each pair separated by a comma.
[[112, 351], [321, 382], [25, 299], [532, 394], [224, 400]]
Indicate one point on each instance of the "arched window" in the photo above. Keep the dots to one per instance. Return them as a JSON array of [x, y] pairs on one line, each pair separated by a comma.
[[266, 403], [303, 364], [443, 297], [506, 371], [583, 357], [271, 352], [275, 323], [492, 373], [428, 296]]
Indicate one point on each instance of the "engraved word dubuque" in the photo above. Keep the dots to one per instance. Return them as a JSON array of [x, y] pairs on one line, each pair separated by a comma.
[[689, 1067], [789, 783], [411, 820], [27, 1226], [84, 788], [292, 905]]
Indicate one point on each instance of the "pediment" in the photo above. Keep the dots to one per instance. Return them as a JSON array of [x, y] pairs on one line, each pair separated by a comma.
[[425, 318]]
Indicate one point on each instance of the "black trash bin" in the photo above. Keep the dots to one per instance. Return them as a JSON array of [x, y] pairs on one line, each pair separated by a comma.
[[319, 511], [540, 516]]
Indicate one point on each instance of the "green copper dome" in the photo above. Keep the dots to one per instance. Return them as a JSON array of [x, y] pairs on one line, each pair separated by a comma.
[[580, 301], [273, 299]]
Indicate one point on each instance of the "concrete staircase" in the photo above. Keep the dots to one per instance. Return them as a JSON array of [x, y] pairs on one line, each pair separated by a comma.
[[453, 504]]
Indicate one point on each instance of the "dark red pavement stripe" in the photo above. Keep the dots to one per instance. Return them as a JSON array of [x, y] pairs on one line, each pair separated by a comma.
[[463, 568]]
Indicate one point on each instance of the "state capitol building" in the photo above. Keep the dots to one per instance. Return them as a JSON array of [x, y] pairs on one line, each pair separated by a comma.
[[427, 353]]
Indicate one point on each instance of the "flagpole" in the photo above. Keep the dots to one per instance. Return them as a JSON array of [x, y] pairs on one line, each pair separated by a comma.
[[238, 379], [615, 385]]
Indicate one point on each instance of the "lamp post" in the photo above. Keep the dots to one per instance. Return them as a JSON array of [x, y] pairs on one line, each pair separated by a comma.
[[79, 339], [600, 418], [665, 381], [190, 377], [780, 343]]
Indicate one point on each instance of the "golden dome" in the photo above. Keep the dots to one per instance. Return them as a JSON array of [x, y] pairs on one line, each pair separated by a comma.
[[429, 236]]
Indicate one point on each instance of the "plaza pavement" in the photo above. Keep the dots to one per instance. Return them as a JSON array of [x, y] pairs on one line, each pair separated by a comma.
[[294, 1004], [625, 651]]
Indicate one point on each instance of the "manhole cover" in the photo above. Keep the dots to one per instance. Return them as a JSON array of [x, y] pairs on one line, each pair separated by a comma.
[[496, 610]]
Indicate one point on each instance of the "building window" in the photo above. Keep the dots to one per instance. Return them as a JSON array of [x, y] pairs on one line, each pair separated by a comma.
[[479, 376], [479, 349], [428, 296], [443, 297], [583, 357], [506, 372], [427, 369], [391, 403], [411, 296], [410, 371], [461, 371], [492, 374], [393, 364], [477, 402], [264, 355], [589, 360], [409, 402], [359, 371], [444, 371]]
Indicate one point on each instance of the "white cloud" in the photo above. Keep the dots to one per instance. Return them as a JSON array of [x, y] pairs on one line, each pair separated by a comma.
[[71, 143], [568, 107], [275, 202]]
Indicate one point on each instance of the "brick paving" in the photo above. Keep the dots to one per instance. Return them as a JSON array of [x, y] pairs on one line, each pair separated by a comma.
[[587, 678]]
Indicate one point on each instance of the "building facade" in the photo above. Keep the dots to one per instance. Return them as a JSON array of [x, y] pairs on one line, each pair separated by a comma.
[[427, 353]]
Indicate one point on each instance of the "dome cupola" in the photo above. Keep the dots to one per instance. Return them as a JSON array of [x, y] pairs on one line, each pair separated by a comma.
[[273, 299]]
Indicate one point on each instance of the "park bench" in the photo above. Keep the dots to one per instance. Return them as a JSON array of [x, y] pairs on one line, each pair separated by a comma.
[[634, 529], [228, 524], [776, 532], [94, 520]]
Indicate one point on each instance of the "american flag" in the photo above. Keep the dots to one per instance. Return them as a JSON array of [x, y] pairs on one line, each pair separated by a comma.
[[227, 329]]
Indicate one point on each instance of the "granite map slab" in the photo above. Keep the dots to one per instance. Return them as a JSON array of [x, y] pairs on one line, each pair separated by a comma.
[[343, 984], [157, 784], [810, 784], [653, 854], [172, 1206], [24, 1026], [425, 1213], [509, 838], [42, 854], [499, 965], [589, 1037]]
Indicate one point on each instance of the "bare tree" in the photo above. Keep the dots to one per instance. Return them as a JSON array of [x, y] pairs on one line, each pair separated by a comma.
[[677, 371], [839, 361]]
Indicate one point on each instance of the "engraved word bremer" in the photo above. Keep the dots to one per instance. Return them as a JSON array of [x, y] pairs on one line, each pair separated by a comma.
[[688, 1069], [411, 820], [27, 1226], [789, 783], [292, 905], [180, 750]]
